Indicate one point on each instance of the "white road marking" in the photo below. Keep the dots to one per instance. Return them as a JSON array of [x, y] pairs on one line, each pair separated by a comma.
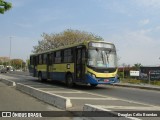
[[84, 98], [130, 107], [65, 92]]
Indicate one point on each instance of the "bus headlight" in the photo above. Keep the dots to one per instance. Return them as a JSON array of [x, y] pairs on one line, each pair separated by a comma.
[[93, 76]]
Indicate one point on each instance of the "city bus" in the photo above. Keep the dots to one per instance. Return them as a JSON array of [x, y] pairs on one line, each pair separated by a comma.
[[89, 62]]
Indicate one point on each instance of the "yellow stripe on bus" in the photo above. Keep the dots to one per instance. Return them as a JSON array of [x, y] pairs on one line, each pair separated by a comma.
[[63, 67], [102, 75], [66, 67]]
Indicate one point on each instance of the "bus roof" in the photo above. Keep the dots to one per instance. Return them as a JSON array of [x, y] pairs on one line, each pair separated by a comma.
[[68, 46]]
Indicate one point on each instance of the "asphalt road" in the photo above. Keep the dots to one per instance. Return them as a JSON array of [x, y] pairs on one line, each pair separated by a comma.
[[133, 94]]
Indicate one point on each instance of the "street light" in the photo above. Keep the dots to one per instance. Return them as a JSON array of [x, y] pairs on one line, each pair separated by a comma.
[[10, 49]]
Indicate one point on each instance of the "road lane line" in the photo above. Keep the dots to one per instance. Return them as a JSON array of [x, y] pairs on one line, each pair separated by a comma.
[[63, 92], [129, 107], [95, 108], [79, 98]]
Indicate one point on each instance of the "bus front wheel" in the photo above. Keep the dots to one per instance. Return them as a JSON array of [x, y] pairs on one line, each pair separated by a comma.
[[40, 77], [69, 81]]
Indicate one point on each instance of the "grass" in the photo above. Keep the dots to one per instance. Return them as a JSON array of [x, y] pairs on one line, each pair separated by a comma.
[[136, 81]]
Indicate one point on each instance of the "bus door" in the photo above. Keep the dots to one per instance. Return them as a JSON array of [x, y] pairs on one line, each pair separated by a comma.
[[80, 64], [48, 63], [34, 66]]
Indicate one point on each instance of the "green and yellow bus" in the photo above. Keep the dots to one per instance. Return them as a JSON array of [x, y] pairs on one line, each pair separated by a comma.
[[89, 62]]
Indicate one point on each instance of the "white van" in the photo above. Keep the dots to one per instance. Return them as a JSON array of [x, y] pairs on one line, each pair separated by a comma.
[[2, 69]]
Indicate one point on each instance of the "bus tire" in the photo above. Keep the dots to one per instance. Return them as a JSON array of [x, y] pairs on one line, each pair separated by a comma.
[[93, 85], [40, 77], [69, 81]]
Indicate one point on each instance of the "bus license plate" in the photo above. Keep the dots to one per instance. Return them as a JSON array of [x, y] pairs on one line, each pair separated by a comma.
[[106, 80]]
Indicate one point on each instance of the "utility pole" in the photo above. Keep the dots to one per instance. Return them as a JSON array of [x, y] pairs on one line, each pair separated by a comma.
[[123, 69], [10, 50]]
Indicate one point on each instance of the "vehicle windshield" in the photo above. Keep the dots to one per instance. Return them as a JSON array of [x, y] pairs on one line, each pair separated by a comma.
[[102, 58]]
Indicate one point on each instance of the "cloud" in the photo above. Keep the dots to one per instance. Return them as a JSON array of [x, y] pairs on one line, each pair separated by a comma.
[[157, 28], [20, 3], [148, 3], [115, 6], [144, 22], [137, 47], [23, 25]]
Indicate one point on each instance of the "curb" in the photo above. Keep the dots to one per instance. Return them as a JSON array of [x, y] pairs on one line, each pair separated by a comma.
[[56, 100], [8, 82], [140, 87]]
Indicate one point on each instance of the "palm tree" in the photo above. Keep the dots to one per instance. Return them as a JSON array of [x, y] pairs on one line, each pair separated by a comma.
[[137, 66]]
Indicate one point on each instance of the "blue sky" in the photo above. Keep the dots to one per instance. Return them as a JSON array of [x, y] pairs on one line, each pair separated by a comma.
[[132, 25]]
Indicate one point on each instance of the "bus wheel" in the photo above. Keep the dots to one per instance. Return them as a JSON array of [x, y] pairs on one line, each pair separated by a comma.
[[40, 77], [93, 85], [69, 81]]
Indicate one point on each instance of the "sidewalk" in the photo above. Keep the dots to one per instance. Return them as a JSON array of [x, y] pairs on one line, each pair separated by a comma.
[[141, 86]]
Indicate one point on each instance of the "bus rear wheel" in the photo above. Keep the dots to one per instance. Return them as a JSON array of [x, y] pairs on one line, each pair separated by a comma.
[[40, 77], [69, 81]]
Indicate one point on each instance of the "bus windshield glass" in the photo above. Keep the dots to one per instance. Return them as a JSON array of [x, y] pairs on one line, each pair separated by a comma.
[[104, 58]]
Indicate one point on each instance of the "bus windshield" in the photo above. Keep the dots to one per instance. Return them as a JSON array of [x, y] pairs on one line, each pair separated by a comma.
[[102, 58]]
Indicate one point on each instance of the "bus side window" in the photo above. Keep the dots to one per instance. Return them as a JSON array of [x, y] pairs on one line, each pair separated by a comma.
[[58, 57], [50, 59], [79, 56], [37, 60], [40, 59], [68, 56], [83, 55], [53, 57], [44, 58]]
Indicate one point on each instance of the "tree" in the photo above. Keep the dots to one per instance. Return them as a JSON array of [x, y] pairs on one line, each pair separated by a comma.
[[4, 6], [4, 61], [67, 37], [137, 66], [17, 63]]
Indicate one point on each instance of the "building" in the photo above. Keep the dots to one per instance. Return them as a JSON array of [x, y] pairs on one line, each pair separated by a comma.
[[145, 72], [152, 73]]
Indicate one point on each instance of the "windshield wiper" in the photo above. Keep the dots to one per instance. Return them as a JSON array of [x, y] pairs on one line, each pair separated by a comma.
[[107, 54]]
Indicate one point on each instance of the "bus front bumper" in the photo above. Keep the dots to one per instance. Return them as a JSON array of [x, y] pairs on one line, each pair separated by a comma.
[[92, 80]]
